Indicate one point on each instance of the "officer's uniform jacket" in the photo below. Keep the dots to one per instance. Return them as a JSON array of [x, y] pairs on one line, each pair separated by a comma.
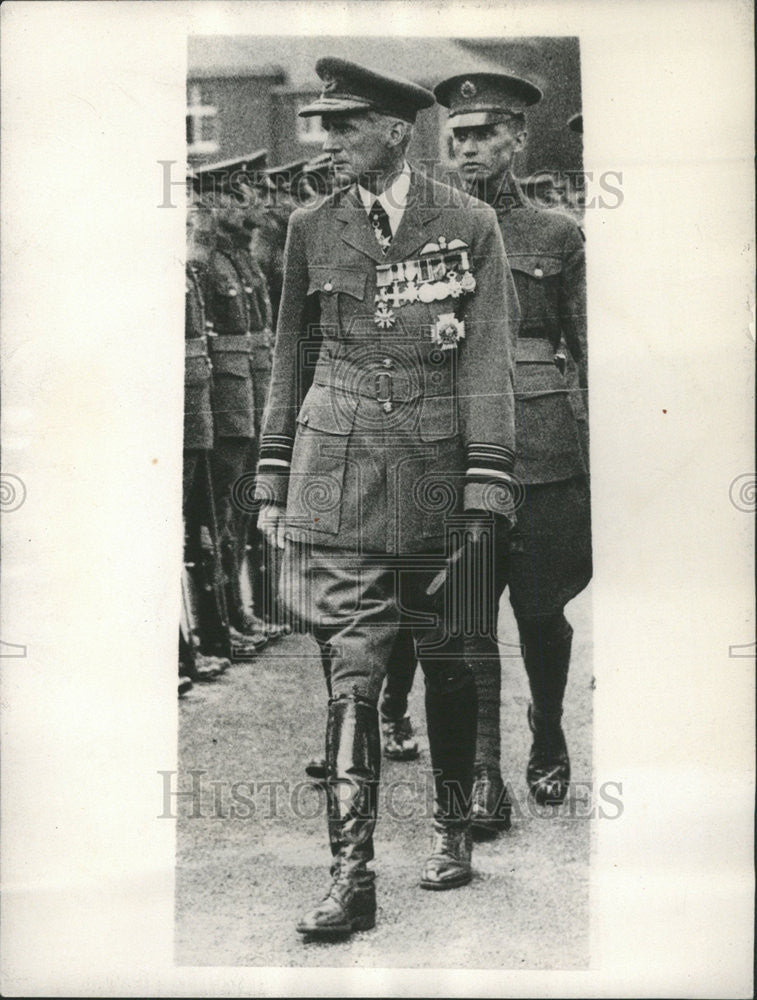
[[198, 415], [545, 250], [240, 346], [374, 434]]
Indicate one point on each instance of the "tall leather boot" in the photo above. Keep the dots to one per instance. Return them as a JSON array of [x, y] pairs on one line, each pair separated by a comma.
[[353, 760], [546, 653], [451, 718], [491, 809]]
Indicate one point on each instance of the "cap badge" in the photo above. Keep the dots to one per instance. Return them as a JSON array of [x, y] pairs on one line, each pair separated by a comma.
[[329, 83], [468, 89]]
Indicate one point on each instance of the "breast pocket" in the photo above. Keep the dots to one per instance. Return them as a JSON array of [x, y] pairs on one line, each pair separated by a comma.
[[537, 282], [316, 483], [341, 292], [229, 308]]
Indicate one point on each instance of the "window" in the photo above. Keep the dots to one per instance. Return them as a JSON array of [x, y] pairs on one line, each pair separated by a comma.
[[309, 129], [202, 120]]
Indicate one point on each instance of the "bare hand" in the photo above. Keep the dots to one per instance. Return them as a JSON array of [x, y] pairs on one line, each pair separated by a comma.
[[272, 521]]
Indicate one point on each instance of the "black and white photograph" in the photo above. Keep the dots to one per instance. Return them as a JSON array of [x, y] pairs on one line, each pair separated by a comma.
[[377, 498], [410, 443]]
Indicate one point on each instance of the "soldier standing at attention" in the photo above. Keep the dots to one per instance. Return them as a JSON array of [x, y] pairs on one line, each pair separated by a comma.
[[390, 418], [547, 559], [204, 625], [240, 348]]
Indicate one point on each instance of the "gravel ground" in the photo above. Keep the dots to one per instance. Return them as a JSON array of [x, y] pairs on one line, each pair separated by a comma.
[[250, 858]]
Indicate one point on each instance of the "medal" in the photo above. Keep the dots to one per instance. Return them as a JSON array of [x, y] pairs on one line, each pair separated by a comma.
[[411, 292], [384, 316], [447, 331], [454, 285]]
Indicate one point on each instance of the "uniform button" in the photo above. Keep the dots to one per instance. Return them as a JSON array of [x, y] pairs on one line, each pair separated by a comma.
[[328, 287], [232, 291], [387, 363], [538, 273], [387, 407], [248, 289]]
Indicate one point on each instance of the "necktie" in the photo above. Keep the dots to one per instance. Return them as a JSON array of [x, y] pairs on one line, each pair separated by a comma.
[[381, 228]]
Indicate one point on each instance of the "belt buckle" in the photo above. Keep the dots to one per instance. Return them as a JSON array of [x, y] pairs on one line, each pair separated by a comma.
[[383, 385]]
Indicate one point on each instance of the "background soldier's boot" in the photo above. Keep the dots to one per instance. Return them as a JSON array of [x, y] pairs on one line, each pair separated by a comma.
[[251, 581], [546, 653], [186, 664], [396, 727], [399, 740], [491, 808], [245, 640], [353, 759], [451, 716], [316, 766]]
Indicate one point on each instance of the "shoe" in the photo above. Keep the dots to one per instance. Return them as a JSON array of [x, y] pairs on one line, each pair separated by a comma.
[[399, 740], [548, 771], [185, 684], [243, 646], [316, 769], [349, 905], [491, 808], [274, 631], [249, 632], [207, 668], [449, 865]]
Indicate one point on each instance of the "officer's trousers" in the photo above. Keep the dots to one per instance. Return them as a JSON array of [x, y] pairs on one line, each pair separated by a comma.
[[544, 564], [355, 605]]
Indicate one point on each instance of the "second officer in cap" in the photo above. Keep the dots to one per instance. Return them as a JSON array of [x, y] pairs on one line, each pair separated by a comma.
[[547, 560], [390, 416]]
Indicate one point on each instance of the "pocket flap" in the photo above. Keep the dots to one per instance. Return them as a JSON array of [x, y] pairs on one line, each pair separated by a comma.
[[536, 265], [329, 280], [327, 410], [438, 419], [531, 380], [232, 363]]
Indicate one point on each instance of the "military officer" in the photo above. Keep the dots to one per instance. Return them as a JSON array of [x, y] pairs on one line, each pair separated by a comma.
[[547, 560], [240, 349], [204, 614], [390, 416]]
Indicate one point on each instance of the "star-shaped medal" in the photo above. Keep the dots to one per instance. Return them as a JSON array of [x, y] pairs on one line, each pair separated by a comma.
[[384, 316]]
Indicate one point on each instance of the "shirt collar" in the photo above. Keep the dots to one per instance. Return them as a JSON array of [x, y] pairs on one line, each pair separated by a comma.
[[393, 199]]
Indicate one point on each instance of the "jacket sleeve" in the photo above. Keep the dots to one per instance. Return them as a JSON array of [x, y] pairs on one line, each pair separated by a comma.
[[486, 405], [295, 325]]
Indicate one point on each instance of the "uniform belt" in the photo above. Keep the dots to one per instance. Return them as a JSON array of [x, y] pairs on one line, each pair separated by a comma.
[[383, 386], [534, 349], [241, 343], [196, 347]]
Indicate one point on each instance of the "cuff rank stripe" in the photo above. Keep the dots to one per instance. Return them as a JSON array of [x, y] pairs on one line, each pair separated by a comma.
[[275, 453], [490, 458]]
